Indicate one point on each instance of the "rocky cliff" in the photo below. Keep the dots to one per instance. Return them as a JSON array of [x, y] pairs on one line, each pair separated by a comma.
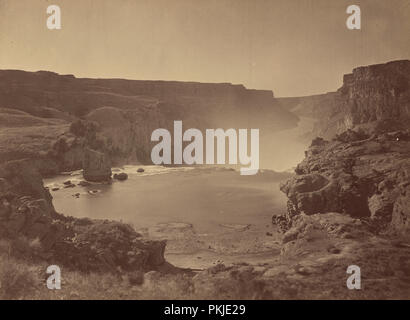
[[123, 114], [348, 204], [365, 170], [349, 201], [358, 175], [370, 95], [377, 92]]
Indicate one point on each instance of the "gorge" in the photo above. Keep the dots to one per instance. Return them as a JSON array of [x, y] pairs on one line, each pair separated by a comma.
[[347, 202]]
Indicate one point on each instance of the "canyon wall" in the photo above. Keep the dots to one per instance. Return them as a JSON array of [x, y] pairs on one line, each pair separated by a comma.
[[371, 95], [34, 92], [363, 168], [125, 112]]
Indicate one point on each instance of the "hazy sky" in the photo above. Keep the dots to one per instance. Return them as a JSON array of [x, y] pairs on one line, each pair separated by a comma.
[[293, 47]]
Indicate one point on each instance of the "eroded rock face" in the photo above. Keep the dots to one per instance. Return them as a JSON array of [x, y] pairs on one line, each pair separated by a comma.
[[349, 201], [363, 169], [375, 93], [34, 230], [310, 193], [96, 166], [361, 178], [378, 92], [127, 111]]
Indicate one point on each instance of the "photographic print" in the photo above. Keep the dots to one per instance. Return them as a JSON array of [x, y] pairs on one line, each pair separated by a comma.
[[177, 150]]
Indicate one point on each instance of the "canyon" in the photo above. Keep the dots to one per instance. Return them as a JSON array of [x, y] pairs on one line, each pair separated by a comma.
[[348, 199]]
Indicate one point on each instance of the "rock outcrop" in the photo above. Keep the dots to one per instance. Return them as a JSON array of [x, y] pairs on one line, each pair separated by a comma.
[[96, 166], [370, 94], [348, 204], [35, 230], [362, 178], [377, 92], [363, 171]]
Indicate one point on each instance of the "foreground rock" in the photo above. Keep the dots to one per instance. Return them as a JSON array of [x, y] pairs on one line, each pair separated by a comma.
[[96, 166], [362, 177], [33, 228], [349, 202]]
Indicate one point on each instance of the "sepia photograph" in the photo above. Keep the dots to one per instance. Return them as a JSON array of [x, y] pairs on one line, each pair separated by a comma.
[[196, 150]]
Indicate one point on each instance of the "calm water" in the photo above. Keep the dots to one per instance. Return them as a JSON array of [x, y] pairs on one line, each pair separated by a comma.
[[204, 197]]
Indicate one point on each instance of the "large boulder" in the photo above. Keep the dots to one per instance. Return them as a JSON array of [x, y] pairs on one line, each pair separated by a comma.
[[96, 166]]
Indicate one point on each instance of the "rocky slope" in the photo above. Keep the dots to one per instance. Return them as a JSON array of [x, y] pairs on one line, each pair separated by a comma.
[[349, 202], [34, 231], [355, 174], [365, 170]]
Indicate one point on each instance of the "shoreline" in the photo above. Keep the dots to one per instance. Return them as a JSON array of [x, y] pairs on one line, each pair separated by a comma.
[[206, 243]]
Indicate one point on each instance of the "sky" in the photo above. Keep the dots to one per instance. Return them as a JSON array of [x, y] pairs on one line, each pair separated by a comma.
[[293, 47]]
